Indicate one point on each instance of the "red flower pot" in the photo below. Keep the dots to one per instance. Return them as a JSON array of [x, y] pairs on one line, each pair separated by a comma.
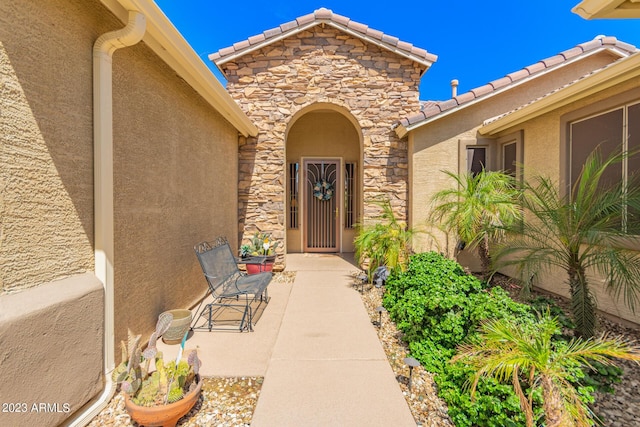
[[259, 268]]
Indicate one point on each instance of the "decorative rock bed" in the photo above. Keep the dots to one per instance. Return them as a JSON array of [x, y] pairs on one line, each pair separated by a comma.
[[231, 401]]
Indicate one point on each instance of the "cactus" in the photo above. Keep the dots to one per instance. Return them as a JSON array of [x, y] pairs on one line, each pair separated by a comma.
[[167, 383], [175, 393]]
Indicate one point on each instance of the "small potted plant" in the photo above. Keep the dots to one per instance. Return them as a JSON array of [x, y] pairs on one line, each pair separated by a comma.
[[262, 253], [157, 393], [245, 251]]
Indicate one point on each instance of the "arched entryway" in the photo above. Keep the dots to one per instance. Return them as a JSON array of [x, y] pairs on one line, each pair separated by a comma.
[[324, 176]]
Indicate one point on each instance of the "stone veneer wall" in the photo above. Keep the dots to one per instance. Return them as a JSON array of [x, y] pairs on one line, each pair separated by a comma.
[[320, 65]]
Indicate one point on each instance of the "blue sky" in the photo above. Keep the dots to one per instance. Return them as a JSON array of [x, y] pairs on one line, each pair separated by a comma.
[[476, 41]]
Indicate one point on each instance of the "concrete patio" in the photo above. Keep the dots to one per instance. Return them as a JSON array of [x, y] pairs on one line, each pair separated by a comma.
[[317, 350]]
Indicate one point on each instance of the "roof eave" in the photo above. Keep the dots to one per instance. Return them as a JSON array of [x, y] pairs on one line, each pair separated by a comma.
[[227, 58], [167, 42], [610, 9], [510, 87], [401, 130], [619, 72]]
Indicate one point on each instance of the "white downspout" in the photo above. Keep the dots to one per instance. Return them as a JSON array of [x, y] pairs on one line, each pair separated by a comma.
[[103, 50]]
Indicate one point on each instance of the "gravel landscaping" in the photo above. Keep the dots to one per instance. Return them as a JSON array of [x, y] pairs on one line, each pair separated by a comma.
[[620, 409], [231, 401]]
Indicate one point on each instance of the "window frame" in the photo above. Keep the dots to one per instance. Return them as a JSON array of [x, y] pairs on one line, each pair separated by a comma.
[[627, 98], [621, 101], [516, 138]]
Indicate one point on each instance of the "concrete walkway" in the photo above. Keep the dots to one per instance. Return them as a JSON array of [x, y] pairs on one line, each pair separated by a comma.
[[318, 351]]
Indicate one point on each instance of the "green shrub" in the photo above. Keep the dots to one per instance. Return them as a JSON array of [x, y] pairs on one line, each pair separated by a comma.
[[438, 306], [494, 404]]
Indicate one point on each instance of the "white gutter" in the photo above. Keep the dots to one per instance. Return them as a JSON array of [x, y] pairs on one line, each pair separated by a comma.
[[103, 50]]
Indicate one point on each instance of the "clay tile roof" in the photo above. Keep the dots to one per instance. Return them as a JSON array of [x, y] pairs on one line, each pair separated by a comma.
[[416, 118], [479, 91], [547, 95], [427, 104], [504, 81], [534, 68], [512, 79], [324, 16], [305, 19], [374, 33], [554, 60]]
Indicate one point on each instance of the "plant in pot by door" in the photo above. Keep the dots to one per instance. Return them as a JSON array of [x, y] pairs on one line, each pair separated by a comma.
[[157, 393], [260, 252]]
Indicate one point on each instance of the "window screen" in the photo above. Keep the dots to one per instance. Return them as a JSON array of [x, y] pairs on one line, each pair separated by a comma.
[[476, 159]]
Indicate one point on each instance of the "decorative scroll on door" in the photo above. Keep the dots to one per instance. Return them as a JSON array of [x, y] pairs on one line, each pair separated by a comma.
[[321, 205]]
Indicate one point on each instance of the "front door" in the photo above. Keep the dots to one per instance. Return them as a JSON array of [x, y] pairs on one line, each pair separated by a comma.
[[321, 207]]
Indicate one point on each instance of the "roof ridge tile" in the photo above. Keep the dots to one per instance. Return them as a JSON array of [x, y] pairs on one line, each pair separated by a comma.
[[272, 32], [342, 20], [305, 19], [289, 26], [324, 15], [377, 34]]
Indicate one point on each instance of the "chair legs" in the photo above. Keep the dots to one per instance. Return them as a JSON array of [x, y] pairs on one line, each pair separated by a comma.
[[211, 313]]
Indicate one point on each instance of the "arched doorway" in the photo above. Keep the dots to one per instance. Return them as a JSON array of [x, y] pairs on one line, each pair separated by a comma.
[[323, 192]]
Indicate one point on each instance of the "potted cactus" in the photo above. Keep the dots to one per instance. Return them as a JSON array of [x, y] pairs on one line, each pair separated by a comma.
[[157, 393], [261, 253]]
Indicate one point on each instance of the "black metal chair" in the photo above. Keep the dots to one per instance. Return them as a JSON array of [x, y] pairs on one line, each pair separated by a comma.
[[229, 287]]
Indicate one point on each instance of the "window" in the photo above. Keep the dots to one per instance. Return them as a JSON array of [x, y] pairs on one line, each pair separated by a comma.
[[604, 131], [350, 195], [476, 159], [293, 192], [612, 131], [509, 158]]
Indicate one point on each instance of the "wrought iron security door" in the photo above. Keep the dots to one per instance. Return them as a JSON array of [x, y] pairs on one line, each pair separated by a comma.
[[321, 205]]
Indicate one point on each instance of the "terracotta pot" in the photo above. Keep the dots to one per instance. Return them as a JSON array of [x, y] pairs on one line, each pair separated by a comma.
[[164, 415], [261, 264], [259, 268]]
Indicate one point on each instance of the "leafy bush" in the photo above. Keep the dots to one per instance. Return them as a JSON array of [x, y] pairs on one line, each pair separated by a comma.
[[438, 306], [494, 404]]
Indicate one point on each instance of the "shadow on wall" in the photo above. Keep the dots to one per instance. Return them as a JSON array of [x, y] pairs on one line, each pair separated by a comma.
[[48, 186]]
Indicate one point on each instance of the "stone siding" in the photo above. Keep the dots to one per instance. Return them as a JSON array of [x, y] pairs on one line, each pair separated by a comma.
[[320, 65]]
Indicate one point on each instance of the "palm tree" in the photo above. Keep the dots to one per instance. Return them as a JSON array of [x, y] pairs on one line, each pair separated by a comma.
[[478, 208], [579, 232], [387, 242], [509, 351]]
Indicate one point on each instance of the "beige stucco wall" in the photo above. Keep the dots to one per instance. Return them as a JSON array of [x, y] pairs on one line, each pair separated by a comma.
[[543, 142], [175, 171], [51, 304], [46, 152], [323, 133], [51, 350], [320, 65], [436, 146]]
